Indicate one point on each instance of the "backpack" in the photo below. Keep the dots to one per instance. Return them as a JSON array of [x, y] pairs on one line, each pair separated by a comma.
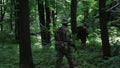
[[60, 34], [81, 32], [61, 38]]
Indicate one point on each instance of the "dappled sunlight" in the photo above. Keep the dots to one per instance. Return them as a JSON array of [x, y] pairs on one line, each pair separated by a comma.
[[114, 40], [117, 39], [98, 40], [38, 45], [39, 37], [52, 47], [94, 41]]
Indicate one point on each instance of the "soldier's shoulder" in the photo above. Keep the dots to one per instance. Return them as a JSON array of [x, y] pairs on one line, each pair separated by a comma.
[[66, 28]]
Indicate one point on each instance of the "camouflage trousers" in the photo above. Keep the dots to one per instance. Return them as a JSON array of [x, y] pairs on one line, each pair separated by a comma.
[[83, 41], [60, 54]]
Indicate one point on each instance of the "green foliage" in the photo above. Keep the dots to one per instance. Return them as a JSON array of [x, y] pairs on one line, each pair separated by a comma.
[[113, 62], [45, 57], [34, 39], [7, 37], [9, 56], [90, 57]]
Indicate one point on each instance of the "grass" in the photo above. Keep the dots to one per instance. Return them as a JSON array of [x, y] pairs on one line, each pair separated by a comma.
[[44, 57]]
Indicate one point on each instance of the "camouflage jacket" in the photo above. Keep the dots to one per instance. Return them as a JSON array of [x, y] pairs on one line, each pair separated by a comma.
[[62, 36]]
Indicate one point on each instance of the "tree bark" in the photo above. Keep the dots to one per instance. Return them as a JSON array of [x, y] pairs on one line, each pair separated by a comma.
[[73, 15], [86, 11], [24, 36], [104, 30], [16, 20], [48, 21], [2, 13], [54, 13], [42, 21], [111, 13], [11, 16]]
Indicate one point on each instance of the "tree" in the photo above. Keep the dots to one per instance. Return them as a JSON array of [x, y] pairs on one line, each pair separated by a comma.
[[73, 15], [42, 21], [11, 15], [104, 30], [54, 12], [111, 13], [86, 11], [48, 20], [2, 13], [16, 19], [24, 36]]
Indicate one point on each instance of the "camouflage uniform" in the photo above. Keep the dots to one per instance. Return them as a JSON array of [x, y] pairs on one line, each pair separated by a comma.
[[62, 47], [82, 34]]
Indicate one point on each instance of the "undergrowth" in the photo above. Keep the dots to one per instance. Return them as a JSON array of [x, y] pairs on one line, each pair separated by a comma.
[[44, 57]]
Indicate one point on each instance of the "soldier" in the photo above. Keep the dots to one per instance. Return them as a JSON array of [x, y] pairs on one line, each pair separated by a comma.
[[62, 45], [82, 34]]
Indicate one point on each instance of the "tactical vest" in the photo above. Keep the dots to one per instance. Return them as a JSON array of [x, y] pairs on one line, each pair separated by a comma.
[[60, 34]]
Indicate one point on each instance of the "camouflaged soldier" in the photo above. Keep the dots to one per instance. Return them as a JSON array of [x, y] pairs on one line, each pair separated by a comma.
[[82, 34], [62, 40]]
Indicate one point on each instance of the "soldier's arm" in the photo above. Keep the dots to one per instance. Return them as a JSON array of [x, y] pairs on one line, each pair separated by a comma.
[[71, 43]]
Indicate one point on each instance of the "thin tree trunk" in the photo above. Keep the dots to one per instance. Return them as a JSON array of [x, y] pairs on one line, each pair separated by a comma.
[[104, 30], [86, 8], [48, 21], [11, 16], [42, 21], [0, 10], [111, 14], [24, 37], [2, 13], [53, 13], [53, 18], [73, 15], [16, 20]]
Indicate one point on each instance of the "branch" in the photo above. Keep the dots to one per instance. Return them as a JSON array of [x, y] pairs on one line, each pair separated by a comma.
[[113, 7], [97, 15]]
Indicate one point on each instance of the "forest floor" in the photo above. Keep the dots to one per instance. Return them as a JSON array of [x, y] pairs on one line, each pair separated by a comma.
[[44, 57]]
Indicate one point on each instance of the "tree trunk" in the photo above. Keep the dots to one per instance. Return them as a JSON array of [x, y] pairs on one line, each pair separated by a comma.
[[11, 16], [54, 13], [2, 13], [16, 20], [53, 18], [24, 37], [73, 15], [104, 30], [48, 21], [42, 21], [111, 14], [86, 10], [0, 16]]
